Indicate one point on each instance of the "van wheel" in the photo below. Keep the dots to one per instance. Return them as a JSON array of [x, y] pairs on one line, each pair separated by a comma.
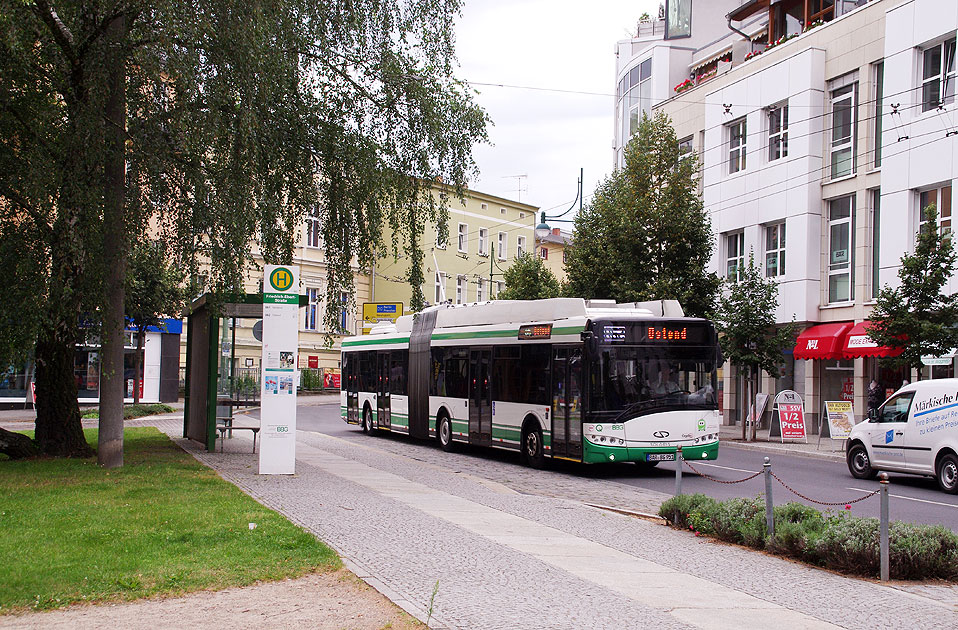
[[858, 463], [444, 433], [948, 473], [368, 421], [532, 448]]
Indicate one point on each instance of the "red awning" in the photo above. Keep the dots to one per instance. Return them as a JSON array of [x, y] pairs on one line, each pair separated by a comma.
[[823, 341], [859, 344]]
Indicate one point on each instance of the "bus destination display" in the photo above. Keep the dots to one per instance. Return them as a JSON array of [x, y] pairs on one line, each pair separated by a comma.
[[535, 331], [657, 333]]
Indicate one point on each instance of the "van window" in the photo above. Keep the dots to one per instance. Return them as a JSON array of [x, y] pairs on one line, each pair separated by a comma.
[[896, 409]]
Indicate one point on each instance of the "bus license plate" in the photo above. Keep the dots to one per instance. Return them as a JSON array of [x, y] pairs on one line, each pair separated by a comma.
[[660, 457]]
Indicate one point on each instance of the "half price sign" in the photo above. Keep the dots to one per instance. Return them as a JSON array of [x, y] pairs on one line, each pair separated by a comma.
[[792, 420]]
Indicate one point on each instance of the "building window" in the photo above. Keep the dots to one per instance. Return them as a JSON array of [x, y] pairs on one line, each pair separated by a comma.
[[736, 146], [500, 287], [520, 246], [483, 241], [678, 18], [460, 289], [440, 288], [941, 199], [876, 259], [502, 245], [841, 287], [314, 235], [565, 256], [312, 308], [938, 75], [463, 237], [346, 318], [843, 130], [502, 210], [483, 207], [480, 290], [441, 242], [635, 98], [544, 253], [685, 146], [734, 255], [777, 131], [775, 250], [879, 95]]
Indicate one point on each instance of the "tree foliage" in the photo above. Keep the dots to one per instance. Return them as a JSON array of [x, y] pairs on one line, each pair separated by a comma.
[[529, 279], [227, 122], [646, 235], [745, 321], [917, 317]]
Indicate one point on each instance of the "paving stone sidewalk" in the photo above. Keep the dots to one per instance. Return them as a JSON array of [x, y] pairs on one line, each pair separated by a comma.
[[507, 558]]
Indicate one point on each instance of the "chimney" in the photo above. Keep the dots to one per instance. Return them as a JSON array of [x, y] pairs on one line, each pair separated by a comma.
[[556, 231]]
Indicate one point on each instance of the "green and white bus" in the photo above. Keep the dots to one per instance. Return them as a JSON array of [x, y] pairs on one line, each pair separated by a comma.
[[588, 381]]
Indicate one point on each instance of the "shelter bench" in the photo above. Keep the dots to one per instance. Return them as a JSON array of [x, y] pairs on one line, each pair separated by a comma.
[[223, 428]]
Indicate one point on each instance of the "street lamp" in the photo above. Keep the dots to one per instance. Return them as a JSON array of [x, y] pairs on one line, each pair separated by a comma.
[[543, 230]]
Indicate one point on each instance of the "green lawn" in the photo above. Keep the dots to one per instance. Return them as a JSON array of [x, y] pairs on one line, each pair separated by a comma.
[[163, 524]]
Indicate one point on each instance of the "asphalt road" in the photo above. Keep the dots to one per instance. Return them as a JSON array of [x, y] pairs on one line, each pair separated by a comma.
[[915, 499]]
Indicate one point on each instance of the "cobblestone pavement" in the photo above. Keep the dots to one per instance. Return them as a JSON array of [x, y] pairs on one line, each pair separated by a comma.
[[405, 516]]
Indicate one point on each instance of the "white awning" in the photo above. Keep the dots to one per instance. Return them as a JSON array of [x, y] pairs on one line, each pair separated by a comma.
[[946, 359], [709, 59]]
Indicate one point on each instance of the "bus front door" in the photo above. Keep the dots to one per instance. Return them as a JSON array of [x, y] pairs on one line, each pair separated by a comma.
[[480, 397], [567, 403], [350, 382], [382, 390]]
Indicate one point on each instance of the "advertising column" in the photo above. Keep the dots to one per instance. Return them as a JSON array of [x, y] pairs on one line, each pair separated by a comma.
[[277, 454]]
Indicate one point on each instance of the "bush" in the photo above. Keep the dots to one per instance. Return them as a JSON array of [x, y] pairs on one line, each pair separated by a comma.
[[836, 541], [679, 509], [796, 527]]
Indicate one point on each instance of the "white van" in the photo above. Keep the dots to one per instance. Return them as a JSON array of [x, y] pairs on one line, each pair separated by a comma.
[[915, 431]]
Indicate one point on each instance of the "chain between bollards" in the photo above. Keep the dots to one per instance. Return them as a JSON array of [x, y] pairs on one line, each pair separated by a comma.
[[769, 513], [883, 531]]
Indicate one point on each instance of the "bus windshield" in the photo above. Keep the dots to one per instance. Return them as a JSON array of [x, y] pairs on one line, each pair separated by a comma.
[[641, 379]]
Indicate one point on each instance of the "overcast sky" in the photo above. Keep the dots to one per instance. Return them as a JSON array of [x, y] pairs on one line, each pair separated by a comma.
[[546, 135]]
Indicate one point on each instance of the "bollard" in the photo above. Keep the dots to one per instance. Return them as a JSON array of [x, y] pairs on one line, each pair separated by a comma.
[[678, 471], [883, 531], [769, 514]]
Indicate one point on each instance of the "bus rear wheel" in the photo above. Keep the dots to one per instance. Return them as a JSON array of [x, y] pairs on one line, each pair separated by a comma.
[[532, 448], [444, 433], [368, 421]]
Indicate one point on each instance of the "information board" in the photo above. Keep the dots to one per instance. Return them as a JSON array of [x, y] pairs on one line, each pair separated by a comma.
[[277, 454], [792, 420], [841, 418], [380, 312]]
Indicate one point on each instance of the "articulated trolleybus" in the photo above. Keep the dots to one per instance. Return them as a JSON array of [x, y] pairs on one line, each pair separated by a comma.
[[588, 381]]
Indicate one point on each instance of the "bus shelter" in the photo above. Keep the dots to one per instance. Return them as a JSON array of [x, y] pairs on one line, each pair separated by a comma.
[[216, 382]]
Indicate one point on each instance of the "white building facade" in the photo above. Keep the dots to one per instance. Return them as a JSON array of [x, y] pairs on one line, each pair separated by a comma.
[[818, 154]]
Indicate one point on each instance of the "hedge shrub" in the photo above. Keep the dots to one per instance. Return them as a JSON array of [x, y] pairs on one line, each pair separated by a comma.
[[839, 542]]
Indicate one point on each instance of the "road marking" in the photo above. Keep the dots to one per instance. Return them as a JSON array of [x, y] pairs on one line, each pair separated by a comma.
[[724, 467], [898, 496]]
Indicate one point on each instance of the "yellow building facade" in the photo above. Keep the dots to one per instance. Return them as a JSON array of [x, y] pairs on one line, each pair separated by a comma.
[[486, 233], [552, 251]]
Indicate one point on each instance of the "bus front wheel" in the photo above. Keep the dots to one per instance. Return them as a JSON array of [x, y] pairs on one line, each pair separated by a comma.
[[444, 432], [532, 448]]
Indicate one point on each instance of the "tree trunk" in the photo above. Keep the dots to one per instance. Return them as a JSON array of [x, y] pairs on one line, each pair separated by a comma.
[[754, 374], [138, 364], [58, 430], [17, 445], [748, 383], [110, 446]]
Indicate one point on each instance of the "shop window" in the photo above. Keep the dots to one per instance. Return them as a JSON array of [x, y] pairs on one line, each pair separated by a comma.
[[938, 75], [841, 250]]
